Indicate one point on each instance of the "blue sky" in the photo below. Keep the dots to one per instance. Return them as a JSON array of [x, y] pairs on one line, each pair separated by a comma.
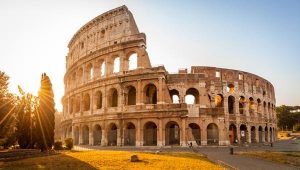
[[261, 37]]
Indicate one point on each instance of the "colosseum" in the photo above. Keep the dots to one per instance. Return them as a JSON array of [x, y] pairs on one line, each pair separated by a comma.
[[115, 97]]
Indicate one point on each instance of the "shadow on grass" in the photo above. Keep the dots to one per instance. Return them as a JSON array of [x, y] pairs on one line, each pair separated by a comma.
[[52, 162]]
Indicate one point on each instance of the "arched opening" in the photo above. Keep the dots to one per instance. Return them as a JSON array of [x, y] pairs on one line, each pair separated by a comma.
[[231, 101], [174, 94], [85, 135], [271, 135], [172, 133], [112, 135], [251, 106], [113, 98], [97, 134], [192, 96], [266, 134], [70, 132], [259, 107], [230, 88], [98, 99], [78, 104], [151, 94], [133, 61], [116, 65], [150, 134], [86, 102], [89, 72], [219, 102], [269, 110], [244, 133], [194, 134], [72, 104], [260, 134], [76, 134], [102, 73], [129, 139], [80, 76], [265, 109], [74, 78], [253, 135], [131, 96], [241, 104], [232, 134], [212, 134]]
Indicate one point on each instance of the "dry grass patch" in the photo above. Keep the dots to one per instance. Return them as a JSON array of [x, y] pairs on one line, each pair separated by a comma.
[[291, 158], [113, 160]]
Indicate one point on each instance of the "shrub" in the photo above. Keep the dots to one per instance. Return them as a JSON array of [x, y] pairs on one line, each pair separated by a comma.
[[58, 145], [69, 143]]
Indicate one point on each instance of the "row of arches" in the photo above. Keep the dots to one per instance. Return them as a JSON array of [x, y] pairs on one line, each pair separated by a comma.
[[110, 137], [99, 69]]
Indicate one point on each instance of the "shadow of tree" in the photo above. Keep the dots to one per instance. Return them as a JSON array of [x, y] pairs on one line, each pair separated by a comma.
[[52, 162]]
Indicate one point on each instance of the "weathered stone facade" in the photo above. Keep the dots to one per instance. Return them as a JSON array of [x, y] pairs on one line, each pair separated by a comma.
[[107, 102]]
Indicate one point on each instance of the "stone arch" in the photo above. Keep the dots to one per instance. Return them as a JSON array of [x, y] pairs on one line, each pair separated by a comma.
[[219, 100], [85, 135], [174, 94], [131, 95], [150, 96], [133, 61], [253, 134], [259, 106], [69, 132], [112, 98], [271, 134], [212, 134], [231, 105], [116, 65], [244, 133], [74, 78], [76, 135], [86, 102], [242, 101], [251, 106], [72, 106], [230, 88], [193, 94], [130, 134], [260, 134], [172, 133], [112, 135], [78, 104], [266, 134], [194, 134], [232, 134], [89, 73], [265, 108], [97, 134], [80, 75], [150, 134], [103, 69], [98, 99]]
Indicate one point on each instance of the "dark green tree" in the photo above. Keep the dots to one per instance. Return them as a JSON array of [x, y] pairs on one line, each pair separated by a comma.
[[7, 113], [25, 119], [286, 117], [45, 115]]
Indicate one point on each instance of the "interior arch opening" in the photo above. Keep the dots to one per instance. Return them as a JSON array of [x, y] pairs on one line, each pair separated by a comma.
[[150, 94], [212, 134], [231, 107], [194, 134], [150, 134], [192, 96], [174, 94], [131, 96], [133, 61], [130, 133], [172, 133], [97, 135], [112, 135]]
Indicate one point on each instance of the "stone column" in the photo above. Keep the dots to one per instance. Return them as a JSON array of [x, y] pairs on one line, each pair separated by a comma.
[[138, 133], [160, 133], [91, 102], [204, 134], [183, 134], [225, 104], [238, 132], [249, 134], [80, 135], [103, 137], [139, 93], [91, 137], [119, 142], [73, 133], [160, 91], [263, 136], [257, 134]]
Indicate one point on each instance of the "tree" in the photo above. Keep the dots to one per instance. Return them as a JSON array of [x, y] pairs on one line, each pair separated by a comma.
[[25, 119], [287, 117], [45, 115], [7, 116]]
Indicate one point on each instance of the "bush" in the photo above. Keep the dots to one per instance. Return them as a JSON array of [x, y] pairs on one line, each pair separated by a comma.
[[69, 143], [58, 145]]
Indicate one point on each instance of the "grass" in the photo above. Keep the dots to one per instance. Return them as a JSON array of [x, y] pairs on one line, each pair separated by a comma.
[[291, 158], [112, 160]]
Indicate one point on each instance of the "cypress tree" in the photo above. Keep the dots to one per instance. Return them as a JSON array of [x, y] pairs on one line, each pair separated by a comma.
[[45, 115]]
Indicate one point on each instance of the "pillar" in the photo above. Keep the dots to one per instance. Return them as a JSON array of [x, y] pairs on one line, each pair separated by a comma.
[[183, 134], [91, 137], [103, 138], [80, 135], [119, 142], [160, 141], [139, 93], [138, 133]]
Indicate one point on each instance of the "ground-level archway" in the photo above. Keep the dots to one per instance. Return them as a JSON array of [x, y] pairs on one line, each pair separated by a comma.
[[212, 134], [260, 134], [232, 134], [243, 133], [97, 135], [76, 135], [85, 135], [172, 135], [129, 136], [112, 135], [150, 134], [253, 134], [194, 133]]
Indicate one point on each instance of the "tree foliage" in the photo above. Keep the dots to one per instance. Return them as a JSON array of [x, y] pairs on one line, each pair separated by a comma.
[[7, 116], [287, 116], [45, 115]]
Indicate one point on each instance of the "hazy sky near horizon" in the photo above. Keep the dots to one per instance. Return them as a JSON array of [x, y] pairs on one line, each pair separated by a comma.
[[261, 37]]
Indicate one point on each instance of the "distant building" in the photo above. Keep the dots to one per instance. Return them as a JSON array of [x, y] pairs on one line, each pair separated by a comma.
[[110, 103]]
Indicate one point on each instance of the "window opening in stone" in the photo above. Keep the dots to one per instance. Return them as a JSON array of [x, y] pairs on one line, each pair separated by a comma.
[[116, 65], [133, 61], [131, 100], [218, 74], [230, 88], [192, 96], [151, 94], [219, 102]]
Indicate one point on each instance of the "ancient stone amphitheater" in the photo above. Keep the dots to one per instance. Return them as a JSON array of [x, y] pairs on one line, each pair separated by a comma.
[[114, 97]]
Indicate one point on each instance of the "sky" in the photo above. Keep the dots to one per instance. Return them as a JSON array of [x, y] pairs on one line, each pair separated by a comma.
[[257, 36]]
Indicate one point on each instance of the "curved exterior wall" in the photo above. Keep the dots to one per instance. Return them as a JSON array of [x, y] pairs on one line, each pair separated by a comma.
[[146, 105]]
